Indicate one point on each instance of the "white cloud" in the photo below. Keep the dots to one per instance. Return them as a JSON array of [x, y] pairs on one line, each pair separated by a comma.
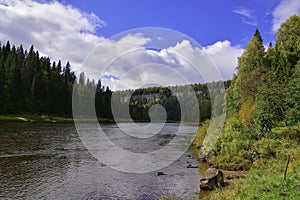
[[248, 16], [283, 11], [64, 32], [182, 63], [225, 57], [57, 30]]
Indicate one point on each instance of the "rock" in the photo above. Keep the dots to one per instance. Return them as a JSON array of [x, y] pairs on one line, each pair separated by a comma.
[[189, 165], [160, 173], [297, 187], [211, 179]]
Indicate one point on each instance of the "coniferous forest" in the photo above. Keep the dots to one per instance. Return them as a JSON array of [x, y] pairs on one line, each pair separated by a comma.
[[32, 84]]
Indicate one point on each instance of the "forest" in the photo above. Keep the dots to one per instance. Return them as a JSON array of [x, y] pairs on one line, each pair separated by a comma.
[[262, 128], [32, 84]]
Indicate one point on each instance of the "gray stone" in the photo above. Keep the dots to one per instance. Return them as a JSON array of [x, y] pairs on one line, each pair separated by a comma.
[[211, 179]]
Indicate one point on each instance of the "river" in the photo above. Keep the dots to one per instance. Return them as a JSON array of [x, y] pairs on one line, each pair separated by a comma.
[[49, 161]]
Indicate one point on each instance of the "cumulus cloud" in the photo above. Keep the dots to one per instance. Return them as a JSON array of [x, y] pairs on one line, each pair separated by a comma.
[[60, 31], [283, 11], [67, 33], [213, 61], [247, 16], [224, 55], [183, 63]]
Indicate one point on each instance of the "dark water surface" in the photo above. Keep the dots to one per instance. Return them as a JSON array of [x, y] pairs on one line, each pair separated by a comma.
[[48, 161]]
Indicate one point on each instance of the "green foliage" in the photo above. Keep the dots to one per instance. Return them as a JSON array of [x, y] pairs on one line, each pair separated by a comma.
[[266, 90], [250, 65], [232, 148], [292, 97], [287, 49], [232, 97], [199, 137], [33, 85], [265, 179], [242, 95], [277, 99], [270, 106], [246, 112], [263, 120]]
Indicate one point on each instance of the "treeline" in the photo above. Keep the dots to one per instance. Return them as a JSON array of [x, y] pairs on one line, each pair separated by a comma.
[[32, 84], [141, 100], [263, 95]]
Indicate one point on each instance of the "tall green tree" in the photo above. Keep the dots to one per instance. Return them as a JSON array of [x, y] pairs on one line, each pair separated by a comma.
[[278, 91], [287, 49], [250, 67], [292, 97]]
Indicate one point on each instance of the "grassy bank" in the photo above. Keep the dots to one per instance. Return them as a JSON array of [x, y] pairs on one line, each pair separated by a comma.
[[266, 158], [45, 119], [61, 119], [266, 181], [34, 118]]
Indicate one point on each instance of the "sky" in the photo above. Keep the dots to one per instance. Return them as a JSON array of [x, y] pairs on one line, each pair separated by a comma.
[[194, 41]]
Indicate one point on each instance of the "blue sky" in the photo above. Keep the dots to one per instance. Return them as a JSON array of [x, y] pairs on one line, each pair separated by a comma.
[[205, 21], [90, 34]]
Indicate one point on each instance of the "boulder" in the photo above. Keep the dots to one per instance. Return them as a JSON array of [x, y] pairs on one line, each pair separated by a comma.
[[211, 179], [160, 173]]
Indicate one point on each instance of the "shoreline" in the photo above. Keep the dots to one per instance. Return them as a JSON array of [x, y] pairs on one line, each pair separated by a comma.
[[32, 118], [29, 118]]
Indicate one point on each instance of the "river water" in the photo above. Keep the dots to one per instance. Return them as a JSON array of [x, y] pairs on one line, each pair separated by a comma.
[[49, 161]]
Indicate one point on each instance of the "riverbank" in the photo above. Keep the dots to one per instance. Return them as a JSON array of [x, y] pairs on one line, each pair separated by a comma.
[[62, 119], [269, 177], [46, 119], [34, 118]]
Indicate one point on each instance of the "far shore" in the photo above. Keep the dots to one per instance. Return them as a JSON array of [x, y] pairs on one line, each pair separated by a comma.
[[46, 119], [34, 118]]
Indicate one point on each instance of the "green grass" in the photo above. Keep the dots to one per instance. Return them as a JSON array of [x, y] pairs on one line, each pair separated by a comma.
[[34, 118], [46, 119], [264, 182], [266, 174]]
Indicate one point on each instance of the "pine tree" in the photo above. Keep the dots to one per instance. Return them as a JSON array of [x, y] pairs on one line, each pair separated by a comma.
[[250, 65], [245, 86]]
